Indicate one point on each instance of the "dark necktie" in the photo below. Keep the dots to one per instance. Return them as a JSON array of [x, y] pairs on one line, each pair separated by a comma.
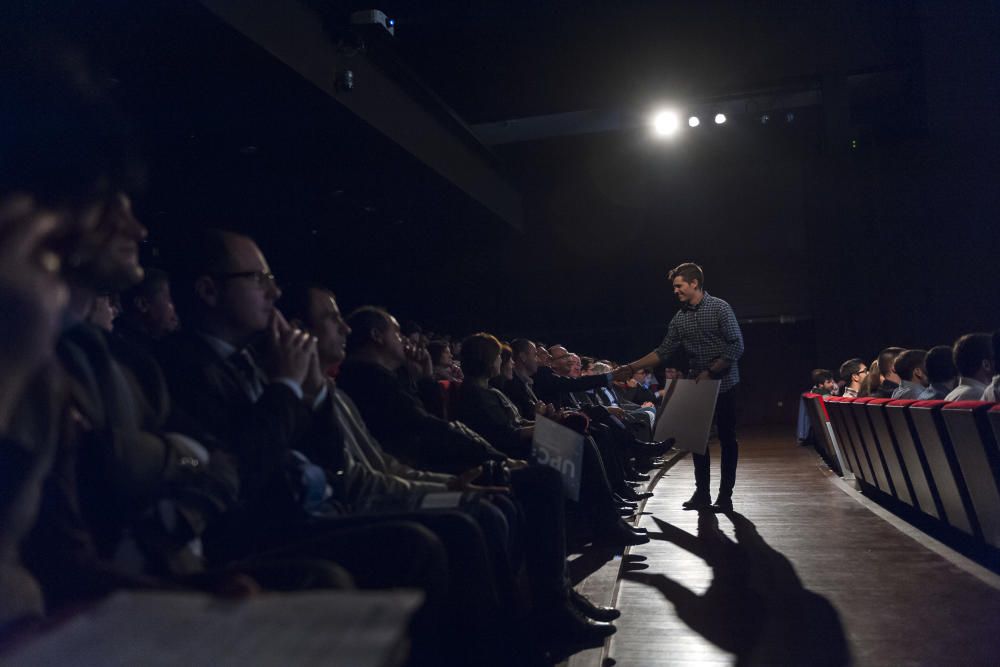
[[243, 363]]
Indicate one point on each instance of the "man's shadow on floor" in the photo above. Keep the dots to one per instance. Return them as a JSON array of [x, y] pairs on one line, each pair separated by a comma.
[[756, 606]]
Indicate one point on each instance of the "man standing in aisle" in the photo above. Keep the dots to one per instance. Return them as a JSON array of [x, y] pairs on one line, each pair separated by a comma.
[[707, 329]]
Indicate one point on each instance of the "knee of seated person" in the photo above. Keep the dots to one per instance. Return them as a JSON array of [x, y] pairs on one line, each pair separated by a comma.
[[325, 574], [537, 474], [418, 542]]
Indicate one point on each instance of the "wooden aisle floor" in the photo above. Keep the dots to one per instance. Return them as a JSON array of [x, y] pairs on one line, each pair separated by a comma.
[[800, 574]]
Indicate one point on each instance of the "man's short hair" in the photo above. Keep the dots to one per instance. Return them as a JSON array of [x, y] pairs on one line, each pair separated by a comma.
[[479, 351], [970, 350], [436, 348], [821, 375], [910, 361], [201, 253], [690, 272], [940, 364], [362, 321], [887, 359], [850, 367], [296, 301], [520, 345]]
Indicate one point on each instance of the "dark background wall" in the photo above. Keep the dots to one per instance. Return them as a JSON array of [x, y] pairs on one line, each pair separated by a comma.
[[892, 241]]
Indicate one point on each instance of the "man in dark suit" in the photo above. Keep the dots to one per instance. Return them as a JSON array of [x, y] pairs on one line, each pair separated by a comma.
[[259, 402]]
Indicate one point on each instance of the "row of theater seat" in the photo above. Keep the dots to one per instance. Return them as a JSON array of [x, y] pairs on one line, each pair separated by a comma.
[[941, 458]]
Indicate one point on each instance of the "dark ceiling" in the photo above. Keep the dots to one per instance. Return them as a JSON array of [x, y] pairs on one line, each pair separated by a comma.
[[234, 137], [500, 60]]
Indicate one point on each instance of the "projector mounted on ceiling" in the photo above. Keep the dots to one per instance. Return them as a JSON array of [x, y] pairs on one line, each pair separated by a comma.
[[374, 17]]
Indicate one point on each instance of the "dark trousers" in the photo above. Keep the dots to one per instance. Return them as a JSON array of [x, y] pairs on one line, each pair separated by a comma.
[[725, 421]]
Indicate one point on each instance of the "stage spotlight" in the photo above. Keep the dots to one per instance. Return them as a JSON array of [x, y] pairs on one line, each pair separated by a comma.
[[666, 123], [693, 121], [720, 118], [765, 119]]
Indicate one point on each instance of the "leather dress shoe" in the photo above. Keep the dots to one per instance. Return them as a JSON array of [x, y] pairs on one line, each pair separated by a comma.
[[565, 622], [638, 477], [628, 493], [591, 610], [621, 502], [640, 448], [723, 504], [621, 535], [626, 512], [698, 501]]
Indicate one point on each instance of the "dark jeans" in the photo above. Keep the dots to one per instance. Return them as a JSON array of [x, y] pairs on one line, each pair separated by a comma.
[[725, 421]]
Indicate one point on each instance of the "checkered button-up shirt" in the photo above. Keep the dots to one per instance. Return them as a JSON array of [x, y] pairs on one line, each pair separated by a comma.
[[708, 331]]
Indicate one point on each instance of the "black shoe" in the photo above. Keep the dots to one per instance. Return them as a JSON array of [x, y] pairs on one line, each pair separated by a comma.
[[628, 493], [638, 477], [563, 623], [621, 534], [698, 501], [723, 504], [640, 448], [621, 502], [591, 610]]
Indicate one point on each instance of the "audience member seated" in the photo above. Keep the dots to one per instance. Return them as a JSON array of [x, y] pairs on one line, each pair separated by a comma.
[[639, 389], [102, 312], [147, 310], [992, 392], [391, 406], [366, 471], [822, 382], [42, 129], [872, 380], [973, 355], [910, 366], [440, 352], [520, 387], [890, 380], [941, 373], [506, 373], [490, 412], [853, 372], [397, 419]]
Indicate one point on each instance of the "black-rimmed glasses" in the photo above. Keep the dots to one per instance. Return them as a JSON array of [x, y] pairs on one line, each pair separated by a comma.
[[260, 278]]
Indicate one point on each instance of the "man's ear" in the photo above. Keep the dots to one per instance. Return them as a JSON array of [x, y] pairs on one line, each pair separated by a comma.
[[376, 335], [207, 290], [141, 304], [989, 366]]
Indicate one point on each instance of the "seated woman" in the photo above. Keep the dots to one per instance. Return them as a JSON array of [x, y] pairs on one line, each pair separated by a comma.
[[485, 408], [491, 414]]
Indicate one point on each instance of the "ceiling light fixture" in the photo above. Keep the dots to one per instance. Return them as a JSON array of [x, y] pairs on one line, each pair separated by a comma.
[[666, 123]]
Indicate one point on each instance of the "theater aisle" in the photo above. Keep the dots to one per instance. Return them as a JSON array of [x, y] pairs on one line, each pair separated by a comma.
[[801, 573]]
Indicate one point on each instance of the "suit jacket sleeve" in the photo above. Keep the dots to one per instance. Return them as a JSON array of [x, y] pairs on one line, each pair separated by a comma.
[[548, 385], [209, 395], [406, 430]]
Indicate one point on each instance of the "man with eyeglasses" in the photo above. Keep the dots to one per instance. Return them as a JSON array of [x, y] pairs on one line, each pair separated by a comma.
[[853, 372]]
